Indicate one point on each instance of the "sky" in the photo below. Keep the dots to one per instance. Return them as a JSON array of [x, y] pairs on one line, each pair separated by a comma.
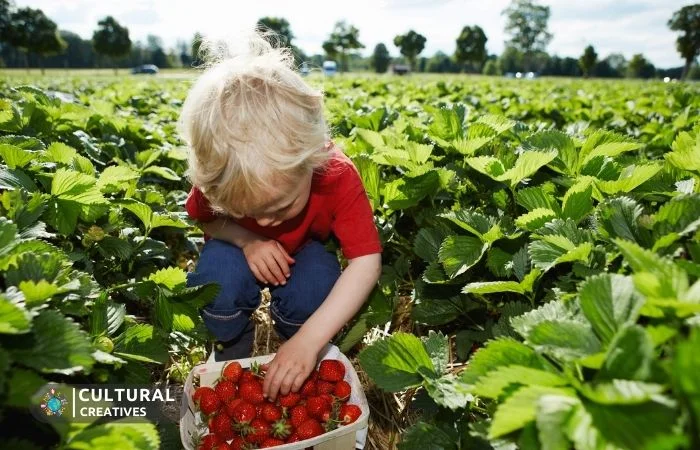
[[611, 26]]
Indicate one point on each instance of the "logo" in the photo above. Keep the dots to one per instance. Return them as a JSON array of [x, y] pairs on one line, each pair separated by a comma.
[[53, 403]]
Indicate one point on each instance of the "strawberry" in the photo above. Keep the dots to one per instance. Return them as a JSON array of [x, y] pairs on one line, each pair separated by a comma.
[[230, 406], [208, 442], [258, 432], [209, 402], [328, 398], [331, 370], [294, 437], [342, 390], [308, 389], [349, 413], [244, 413], [251, 392], [289, 400], [198, 393], [281, 428], [232, 371], [271, 412], [271, 442], [221, 426], [226, 390], [314, 375], [325, 387], [238, 443], [298, 415], [316, 406], [222, 446], [309, 429]]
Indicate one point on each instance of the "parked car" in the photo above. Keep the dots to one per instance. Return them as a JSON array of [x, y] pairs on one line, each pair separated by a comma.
[[400, 69], [304, 69], [145, 68], [330, 67]]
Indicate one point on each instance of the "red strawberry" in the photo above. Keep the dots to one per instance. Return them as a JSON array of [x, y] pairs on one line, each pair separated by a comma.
[[251, 392], [298, 415], [310, 428], [230, 406], [209, 402], [314, 375], [293, 438], [259, 431], [208, 442], [271, 412], [198, 393], [232, 371], [271, 442], [244, 412], [308, 389], [342, 390], [331, 370], [238, 443], [226, 390], [221, 426], [222, 446], [281, 428], [349, 413], [316, 406], [289, 400], [328, 398], [247, 377], [325, 387]]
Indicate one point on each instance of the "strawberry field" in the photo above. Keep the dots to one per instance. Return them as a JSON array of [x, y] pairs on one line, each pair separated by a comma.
[[542, 255]]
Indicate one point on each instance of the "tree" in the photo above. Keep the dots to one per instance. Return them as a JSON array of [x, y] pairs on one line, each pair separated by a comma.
[[197, 59], [410, 44], [380, 58], [111, 39], [492, 67], [526, 22], [5, 19], [31, 31], [687, 20], [344, 37], [588, 60], [280, 26], [471, 46], [640, 67], [157, 55]]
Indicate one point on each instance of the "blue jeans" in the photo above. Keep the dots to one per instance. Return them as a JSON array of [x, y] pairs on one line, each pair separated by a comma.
[[311, 279]]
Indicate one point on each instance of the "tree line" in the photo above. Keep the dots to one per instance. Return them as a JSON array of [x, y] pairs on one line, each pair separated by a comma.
[[28, 38]]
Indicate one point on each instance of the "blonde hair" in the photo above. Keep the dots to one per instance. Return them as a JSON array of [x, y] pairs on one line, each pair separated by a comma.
[[251, 123]]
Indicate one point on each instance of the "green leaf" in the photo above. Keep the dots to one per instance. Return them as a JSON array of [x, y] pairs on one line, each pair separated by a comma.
[[393, 363], [458, 253], [497, 353], [492, 287], [56, 345], [655, 276], [12, 179], [520, 408], [550, 311], [424, 436], [609, 302], [564, 339], [163, 172], [578, 201], [535, 219], [171, 277], [567, 157], [554, 250], [14, 318], [141, 210], [437, 346], [69, 185], [36, 293], [488, 165], [527, 164], [21, 386], [495, 382], [532, 198], [117, 176], [141, 342], [623, 392], [552, 415], [428, 241], [631, 177], [448, 391], [630, 356], [406, 192], [369, 172], [619, 218], [610, 149], [61, 153], [685, 368], [169, 220], [15, 157], [118, 434]]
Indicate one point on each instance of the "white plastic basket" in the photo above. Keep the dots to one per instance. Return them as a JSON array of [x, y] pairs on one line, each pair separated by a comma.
[[346, 437]]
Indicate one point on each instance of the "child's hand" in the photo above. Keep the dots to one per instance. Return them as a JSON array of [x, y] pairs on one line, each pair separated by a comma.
[[268, 260], [289, 369]]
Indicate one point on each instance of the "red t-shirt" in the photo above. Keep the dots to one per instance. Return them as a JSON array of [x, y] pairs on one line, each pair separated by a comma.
[[337, 204]]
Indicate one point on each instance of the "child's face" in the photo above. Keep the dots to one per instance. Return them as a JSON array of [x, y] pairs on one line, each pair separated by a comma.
[[287, 204]]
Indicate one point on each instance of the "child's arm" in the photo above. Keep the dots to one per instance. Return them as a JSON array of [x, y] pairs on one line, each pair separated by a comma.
[[267, 259], [297, 357]]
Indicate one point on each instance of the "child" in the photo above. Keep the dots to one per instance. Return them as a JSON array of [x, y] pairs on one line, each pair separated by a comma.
[[268, 188]]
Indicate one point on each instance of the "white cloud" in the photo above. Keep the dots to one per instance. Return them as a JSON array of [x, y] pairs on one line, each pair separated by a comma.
[[622, 26]]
